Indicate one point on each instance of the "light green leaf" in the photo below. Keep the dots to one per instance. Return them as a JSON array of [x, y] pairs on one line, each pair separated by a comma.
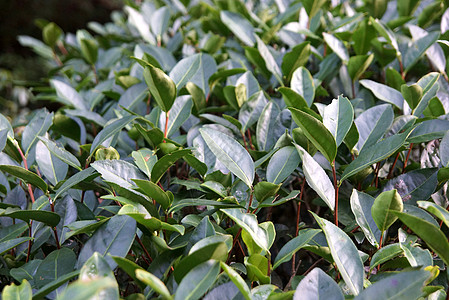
[[436, 210], [302, 83], [237, 280], [337, 46], [338, 118], [345, 255], [155, 283], [241, 27], [382, 209], [361, 204], [18, 292], [162, 87], [317, 133], [229, 152]]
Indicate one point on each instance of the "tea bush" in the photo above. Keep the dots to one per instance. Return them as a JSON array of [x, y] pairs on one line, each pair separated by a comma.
[[232, 150]]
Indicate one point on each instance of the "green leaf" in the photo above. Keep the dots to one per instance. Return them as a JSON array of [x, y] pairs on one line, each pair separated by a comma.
[[372, 125], [109, 130], [237, 280], [263, 190], [145, 159], [9, 244], [267, 126], [55, 265], [317, 178], [429, 130], [178, 205], [229, 152], [312, 7], [81, 290], [155, 283], [428, 232], [337, 46], [97, 267], [74, 180], [162, 87], [50, 166], [282, 164], [375, 153], [25, 175], [436, 210], [257, 268], [345, 255], [114, 237], [249, 223], [418, 48], [338, 118], [385, 254], [196, 283], [61, 153], [119, 172], [404, 285], [199, 100], [69, 96], [317, 133], [407, 7], [363, 36], [18, 292], [292, 98], [270, 62], [130, 268], [412, 94], [51, 33], [49, 218], [384, 92], [163, 164], [48, 288], [153, 191], [318, 285], [288, 250], [179, 113], [197, 68], [302, 83], [241, 27], [358, 64], [297, 57], [217, 251], [385, 32], [383, 207], [38, 126], [361, 204], [89, 50]]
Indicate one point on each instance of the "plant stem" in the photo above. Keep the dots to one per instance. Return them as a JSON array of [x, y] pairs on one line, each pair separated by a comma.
[[353, 89], [401, 67], [167, 115], [95, 74], [250, 140], [250, 201], [392, 167], [25, 164], [336, 187], [298, 213], [406, 159], [144, 249], [30, 243], [244, 141], [52, 207]]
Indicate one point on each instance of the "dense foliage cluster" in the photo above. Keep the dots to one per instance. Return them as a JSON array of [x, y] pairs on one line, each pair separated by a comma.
[[234, 150]]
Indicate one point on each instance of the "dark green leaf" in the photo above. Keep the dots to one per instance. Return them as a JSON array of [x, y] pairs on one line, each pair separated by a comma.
[[25, 175], [318, 285], [338, 118], [282, 164], [46, 217], [361, 205], [196, 283], [163, 164]]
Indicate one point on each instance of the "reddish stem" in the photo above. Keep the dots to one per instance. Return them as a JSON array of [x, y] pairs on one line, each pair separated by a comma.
[[144, 250], [250, 140], [336, 187], [25, 164], [406, 159], [167, 114], [392, 167]]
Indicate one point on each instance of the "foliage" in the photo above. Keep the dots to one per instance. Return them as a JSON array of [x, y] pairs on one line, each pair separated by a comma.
[[232, 150]]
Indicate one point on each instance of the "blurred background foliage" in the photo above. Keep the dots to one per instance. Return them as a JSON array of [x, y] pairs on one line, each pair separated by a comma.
[[19, 66]]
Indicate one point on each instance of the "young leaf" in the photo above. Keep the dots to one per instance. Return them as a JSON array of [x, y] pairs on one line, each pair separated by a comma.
[[436, 210], [383, 207], [302, 83], [162, 87], [337, 46], [237, 280], [155, 283], [163, 164], [109, 130], [292, 246], [229, 152], [317, 133], [375, 153], [361, 205], [338, 118], [428, 232], [412, 94], [318, 285], [153, 191], [385, 254], [19, 292], [358, 64], [345, 255]]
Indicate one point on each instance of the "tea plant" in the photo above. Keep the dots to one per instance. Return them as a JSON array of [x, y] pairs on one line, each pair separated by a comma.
[[231, 150]]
